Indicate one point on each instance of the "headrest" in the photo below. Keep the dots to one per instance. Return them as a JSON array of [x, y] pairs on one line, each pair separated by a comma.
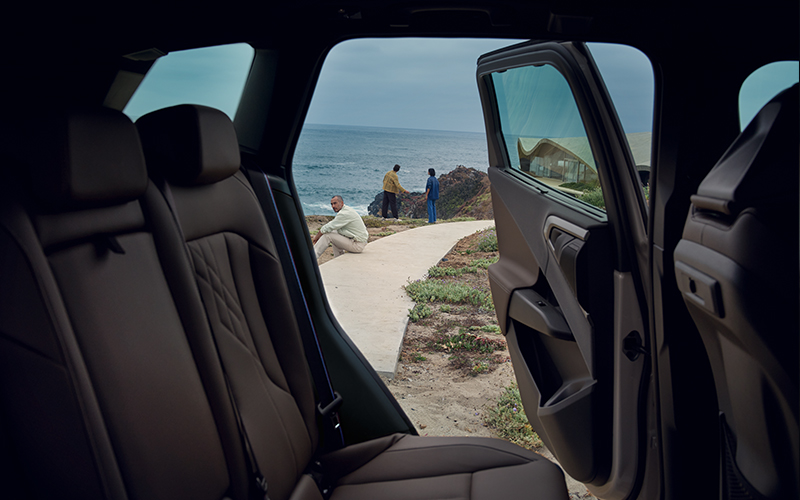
[[760, 167], [82, 158], [190, 144]]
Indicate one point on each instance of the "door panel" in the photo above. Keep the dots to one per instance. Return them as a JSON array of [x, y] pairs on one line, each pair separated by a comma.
[[560, 295]]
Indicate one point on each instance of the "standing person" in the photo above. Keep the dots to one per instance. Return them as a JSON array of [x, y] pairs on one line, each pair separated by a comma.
[[346, 232], [432, 194], [391, 186]]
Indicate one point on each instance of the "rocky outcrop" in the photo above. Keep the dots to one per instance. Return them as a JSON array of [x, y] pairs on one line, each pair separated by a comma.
[[463, 192]]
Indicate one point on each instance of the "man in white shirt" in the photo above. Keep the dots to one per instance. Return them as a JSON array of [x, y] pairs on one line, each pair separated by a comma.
[[346, 232]]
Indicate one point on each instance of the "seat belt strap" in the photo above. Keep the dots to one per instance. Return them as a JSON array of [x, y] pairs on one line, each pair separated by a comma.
[[329, 400]]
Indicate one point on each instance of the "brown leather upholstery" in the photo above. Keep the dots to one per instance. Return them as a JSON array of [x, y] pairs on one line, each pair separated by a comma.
[[100, 391], [90, 158], [114, 319], [246, 302]]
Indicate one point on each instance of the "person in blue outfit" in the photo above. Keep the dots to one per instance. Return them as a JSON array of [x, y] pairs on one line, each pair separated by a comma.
[[432, 194]]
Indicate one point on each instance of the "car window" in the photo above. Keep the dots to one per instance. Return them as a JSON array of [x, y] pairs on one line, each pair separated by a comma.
[[211, 76], [762, 85], [628, 75], [543, 131]]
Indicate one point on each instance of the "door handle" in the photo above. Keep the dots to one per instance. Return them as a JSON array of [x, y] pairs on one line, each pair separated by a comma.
[[532, 310]]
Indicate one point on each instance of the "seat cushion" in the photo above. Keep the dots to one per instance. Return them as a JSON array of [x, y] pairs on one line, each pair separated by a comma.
[[413, 467]]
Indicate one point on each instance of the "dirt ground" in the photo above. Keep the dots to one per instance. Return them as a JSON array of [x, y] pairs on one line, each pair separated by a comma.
[[442, 398], [443, 390]]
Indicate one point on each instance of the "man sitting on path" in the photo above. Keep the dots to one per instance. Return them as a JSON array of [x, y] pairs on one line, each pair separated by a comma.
[[346, 232], [391, 186]]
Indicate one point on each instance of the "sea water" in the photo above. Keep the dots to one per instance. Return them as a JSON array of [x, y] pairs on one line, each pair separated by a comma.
[[351, 161]]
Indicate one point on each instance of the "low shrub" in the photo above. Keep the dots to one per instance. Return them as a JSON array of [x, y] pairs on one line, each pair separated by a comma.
[[418, 312], [422, 291], [464, 341], [594, 197], [488, 241], [508, 419]]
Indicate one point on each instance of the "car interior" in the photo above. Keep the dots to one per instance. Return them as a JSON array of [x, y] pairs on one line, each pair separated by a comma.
[[164, 330]]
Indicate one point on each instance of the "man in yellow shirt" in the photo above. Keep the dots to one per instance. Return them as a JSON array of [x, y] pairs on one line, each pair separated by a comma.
[[346, 232], [391, 186]]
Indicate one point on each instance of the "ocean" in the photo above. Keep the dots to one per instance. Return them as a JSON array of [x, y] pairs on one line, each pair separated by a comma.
[[351, 161]]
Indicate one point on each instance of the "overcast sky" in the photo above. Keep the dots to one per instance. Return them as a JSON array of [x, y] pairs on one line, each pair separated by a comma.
[[430, 84], [409, 83]]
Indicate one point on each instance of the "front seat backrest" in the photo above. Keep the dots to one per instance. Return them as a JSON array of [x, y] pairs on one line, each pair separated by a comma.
[[737, 268]]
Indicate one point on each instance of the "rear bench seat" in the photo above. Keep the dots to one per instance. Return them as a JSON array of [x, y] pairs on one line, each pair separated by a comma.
[[111, 315], [101, 395]]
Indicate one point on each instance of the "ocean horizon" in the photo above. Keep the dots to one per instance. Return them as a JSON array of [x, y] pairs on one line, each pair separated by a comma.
[[351, 161]]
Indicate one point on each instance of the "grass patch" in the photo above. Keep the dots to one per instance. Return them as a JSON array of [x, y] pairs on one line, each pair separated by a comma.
[[581, 186], [484, 263], [422, 291], [465, 341], [594, 197], [486, 328], [417, 358], [478, 368], [461, 219], [508, 419], [419, 312], [371, 221], [488, 241], [385, 233], [444, 308], [477, 264]]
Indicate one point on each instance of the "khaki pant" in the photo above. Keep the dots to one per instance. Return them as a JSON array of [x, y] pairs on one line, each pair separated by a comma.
[[339, 243]]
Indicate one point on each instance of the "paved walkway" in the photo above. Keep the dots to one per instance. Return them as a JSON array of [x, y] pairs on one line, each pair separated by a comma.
[[366, 292]]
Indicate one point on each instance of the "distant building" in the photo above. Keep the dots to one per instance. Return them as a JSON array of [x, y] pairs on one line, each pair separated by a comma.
[[570, 159]]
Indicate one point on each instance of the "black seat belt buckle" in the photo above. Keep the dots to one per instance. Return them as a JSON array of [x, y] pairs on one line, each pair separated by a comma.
[[330, 409]]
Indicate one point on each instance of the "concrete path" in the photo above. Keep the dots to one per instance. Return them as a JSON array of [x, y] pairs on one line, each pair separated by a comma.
[[366, 292]]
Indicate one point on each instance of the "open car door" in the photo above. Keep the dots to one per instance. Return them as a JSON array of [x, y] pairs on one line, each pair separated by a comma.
[[568, 287]]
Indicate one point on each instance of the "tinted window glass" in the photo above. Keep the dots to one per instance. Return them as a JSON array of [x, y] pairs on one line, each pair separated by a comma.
[[543, 131], [762, 85], [212, 76]]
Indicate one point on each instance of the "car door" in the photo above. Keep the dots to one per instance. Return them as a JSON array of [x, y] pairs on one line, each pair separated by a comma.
[[568, 287]]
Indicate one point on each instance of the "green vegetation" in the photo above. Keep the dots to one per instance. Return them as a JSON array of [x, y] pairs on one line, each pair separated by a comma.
[[488, 241], [466, 341], [385, 233], [508, 419], [438, 272], [418, 312], [594, 197], [581, 186], [479, 367], [417, 357], [422, 291], [486, 328], [371, 221]]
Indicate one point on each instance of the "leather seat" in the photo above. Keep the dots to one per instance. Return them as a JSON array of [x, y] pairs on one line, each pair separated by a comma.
[[128, 330], [193, 152], [101, 395]]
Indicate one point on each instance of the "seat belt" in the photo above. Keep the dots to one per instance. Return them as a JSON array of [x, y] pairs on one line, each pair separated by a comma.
[[329, 400]]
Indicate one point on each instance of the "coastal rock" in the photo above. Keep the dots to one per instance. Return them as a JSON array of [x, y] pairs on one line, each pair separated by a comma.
[[463, 192]]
